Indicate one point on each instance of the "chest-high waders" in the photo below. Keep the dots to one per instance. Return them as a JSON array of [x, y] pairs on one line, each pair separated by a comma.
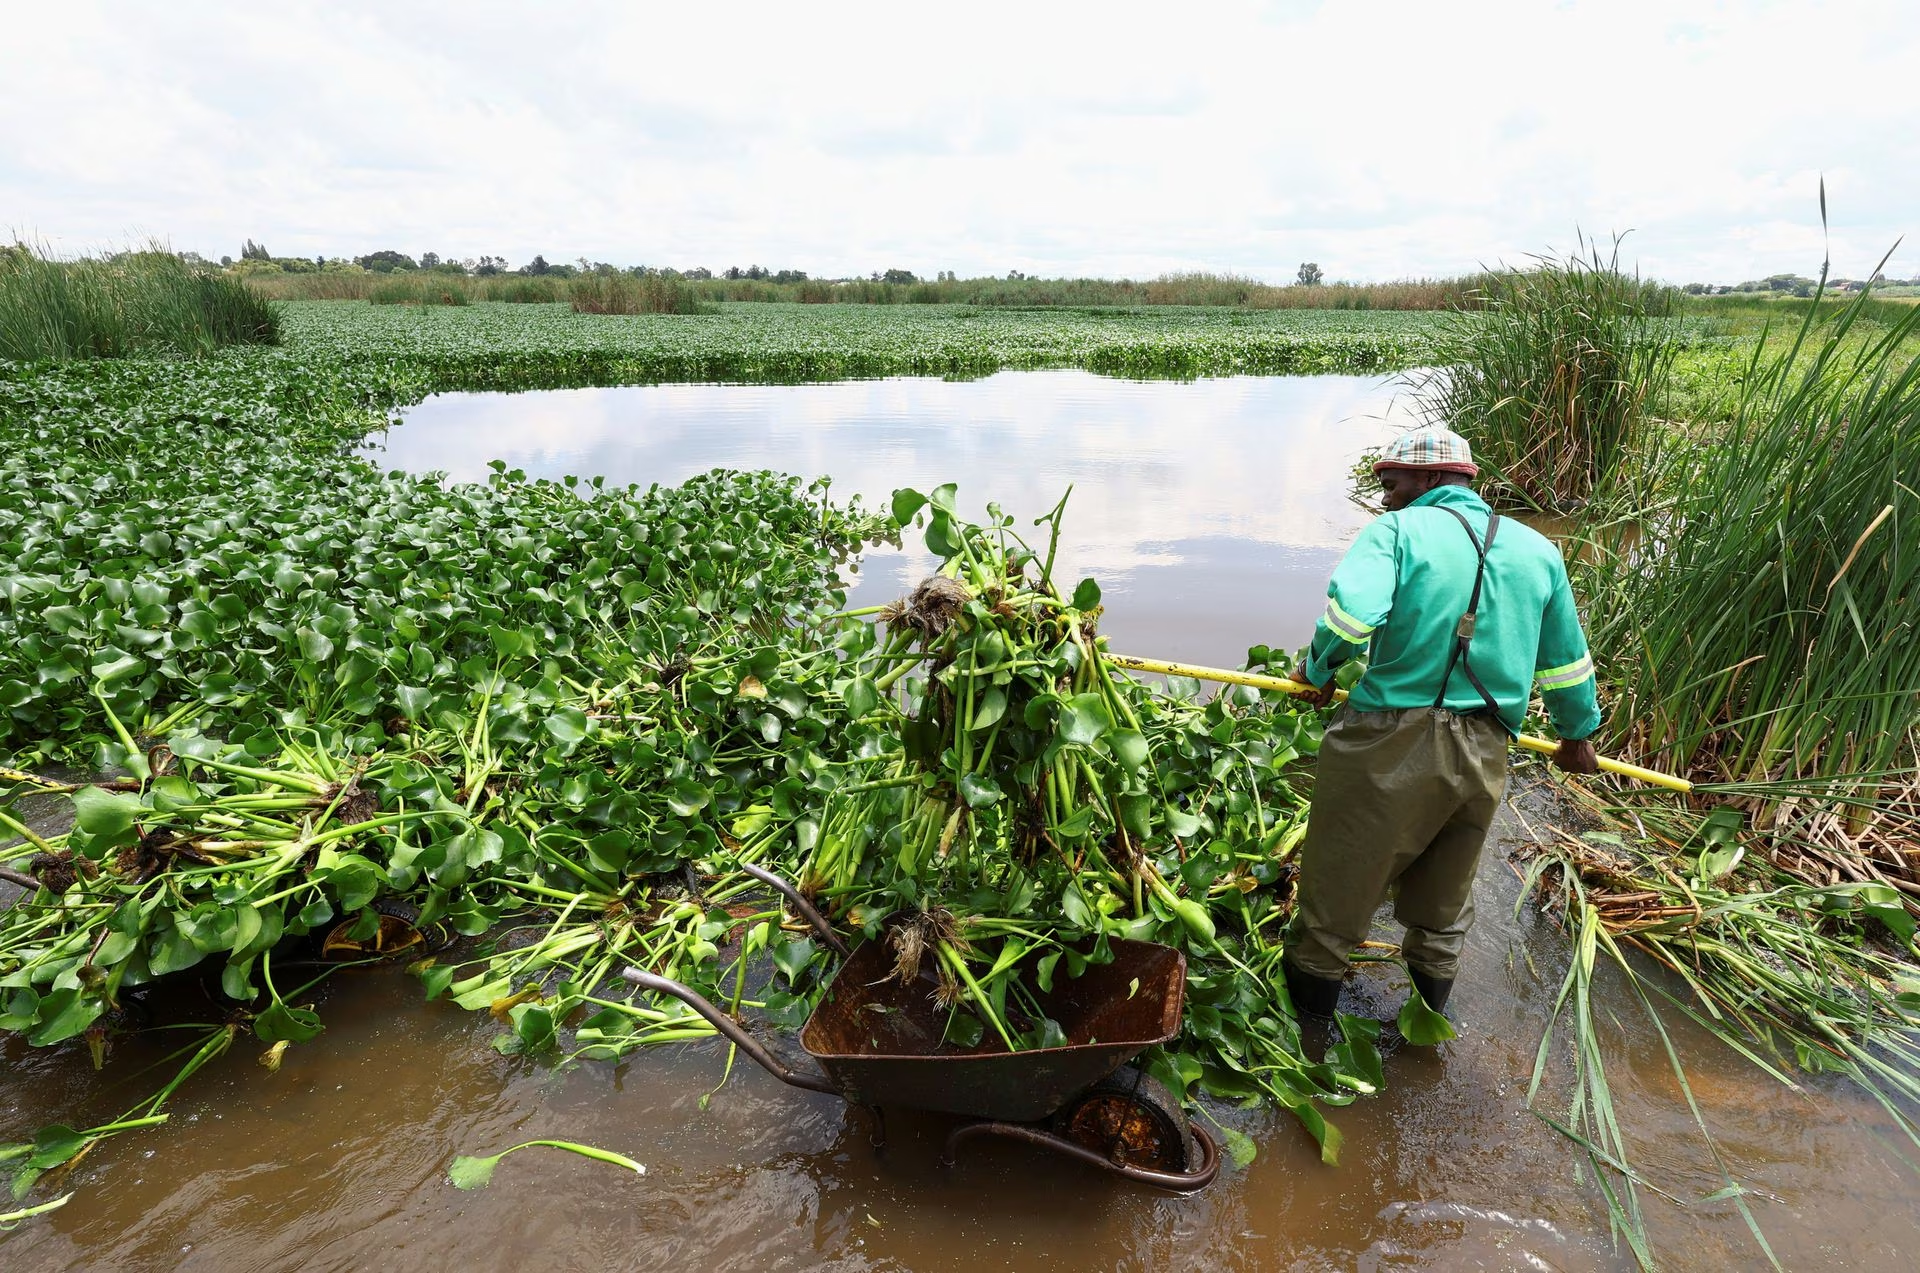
[[1403, 800], [1463, 631]]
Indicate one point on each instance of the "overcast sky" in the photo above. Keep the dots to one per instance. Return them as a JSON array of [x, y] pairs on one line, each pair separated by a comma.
[[1382, 139]]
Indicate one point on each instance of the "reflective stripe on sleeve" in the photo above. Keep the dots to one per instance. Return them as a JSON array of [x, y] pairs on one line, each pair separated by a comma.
[[1346, 626], [1565, 677]]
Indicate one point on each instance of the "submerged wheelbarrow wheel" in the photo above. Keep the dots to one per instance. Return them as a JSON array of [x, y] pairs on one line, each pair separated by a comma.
[[398, 936], [1132, 1120]]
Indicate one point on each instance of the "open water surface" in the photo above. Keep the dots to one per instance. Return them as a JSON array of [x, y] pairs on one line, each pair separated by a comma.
[[1211, 513]]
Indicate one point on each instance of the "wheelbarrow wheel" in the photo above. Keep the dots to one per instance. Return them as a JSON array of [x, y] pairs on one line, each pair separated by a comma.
[[1133, 1120], [398, 935]]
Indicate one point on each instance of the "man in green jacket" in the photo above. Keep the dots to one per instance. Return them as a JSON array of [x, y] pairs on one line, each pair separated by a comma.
[[1461, 614]]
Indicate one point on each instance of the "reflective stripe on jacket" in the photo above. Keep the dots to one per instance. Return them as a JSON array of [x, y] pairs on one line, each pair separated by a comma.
[[1401, 589]]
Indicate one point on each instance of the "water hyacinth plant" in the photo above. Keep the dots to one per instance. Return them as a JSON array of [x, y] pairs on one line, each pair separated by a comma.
[[477, 1173], [513, 347], [604, 818], [564, 716], [1026, 800]]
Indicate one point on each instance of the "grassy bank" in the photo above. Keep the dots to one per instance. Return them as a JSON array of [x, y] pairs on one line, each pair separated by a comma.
[[1747, 313], [1756, 627], [1711, 369]]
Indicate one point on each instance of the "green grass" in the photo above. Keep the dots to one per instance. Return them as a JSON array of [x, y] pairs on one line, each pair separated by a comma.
[[131, 303], [1723, 332], [1748, 312]]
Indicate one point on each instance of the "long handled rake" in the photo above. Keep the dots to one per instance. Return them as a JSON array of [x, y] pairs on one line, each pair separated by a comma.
[[1532, 742]]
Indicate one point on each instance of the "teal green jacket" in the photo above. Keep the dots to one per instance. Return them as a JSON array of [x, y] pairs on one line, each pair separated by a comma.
[[1399, 593]]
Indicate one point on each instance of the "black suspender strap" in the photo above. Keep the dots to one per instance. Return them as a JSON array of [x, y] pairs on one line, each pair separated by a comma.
[[1463, 631]]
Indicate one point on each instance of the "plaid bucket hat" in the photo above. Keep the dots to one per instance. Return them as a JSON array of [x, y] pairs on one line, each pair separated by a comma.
[[1430, 448]]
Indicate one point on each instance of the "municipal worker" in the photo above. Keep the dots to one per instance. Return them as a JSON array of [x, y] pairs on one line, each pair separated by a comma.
[[1461, 614]]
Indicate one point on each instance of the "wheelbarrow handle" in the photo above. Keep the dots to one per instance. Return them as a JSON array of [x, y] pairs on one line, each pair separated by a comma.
[[735, 1032], [800, 904]]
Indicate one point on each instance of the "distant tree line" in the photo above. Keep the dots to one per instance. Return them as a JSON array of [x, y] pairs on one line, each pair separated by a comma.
[[255, 258], [1795, 285], [391, 276]]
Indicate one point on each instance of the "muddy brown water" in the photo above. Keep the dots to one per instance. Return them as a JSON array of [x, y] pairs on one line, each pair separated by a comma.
[[338, 1160]]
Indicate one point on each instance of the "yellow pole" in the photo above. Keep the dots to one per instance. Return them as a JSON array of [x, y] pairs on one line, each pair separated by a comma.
[[1545, 746]]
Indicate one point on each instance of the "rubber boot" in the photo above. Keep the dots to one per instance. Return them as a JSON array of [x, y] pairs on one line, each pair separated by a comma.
[[1314, 999], [1433, 989], [1312, 996]]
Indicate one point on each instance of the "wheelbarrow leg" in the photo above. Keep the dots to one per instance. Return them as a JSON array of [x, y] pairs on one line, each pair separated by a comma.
[[1199, 1177], [732, 1030]]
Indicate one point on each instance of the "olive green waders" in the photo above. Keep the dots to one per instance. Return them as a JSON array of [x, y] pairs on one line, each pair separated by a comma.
[[1400, 797]]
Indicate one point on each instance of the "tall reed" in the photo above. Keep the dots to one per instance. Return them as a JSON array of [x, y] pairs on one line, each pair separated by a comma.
[[631, 294], [523, 289], [129, 303], [423, 288], [414, 287], [1191, 289], [1199, 288], [1764, 625], [321, 285], [1551, 383]]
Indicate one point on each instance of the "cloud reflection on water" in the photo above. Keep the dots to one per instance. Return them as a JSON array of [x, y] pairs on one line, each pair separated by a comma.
[[1211, 511]]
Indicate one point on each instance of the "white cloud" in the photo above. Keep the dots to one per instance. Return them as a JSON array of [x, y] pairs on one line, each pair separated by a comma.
[[1382, 140]]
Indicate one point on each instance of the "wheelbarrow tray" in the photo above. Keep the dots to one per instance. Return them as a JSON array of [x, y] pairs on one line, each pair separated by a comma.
[[881, 1042]]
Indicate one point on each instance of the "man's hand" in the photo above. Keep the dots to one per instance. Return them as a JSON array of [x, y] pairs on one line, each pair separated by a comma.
[[1577, 756], [1318, 695]]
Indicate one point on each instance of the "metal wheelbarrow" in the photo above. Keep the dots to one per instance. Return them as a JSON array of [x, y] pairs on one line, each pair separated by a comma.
[[879, 1042]]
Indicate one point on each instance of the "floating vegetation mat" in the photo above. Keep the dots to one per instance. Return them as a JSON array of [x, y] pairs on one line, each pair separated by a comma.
[[962, 776]]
